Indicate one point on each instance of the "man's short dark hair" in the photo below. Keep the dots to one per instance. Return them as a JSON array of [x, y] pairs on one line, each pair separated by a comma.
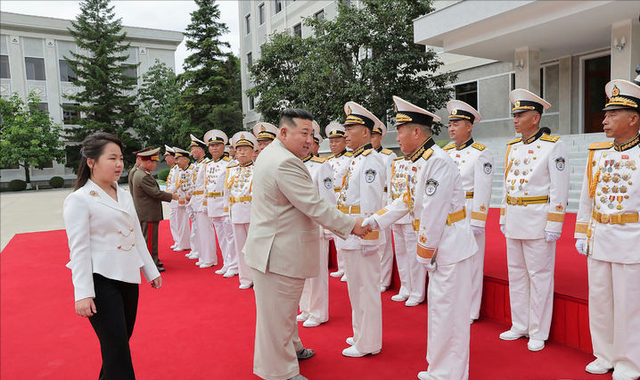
[[289, 114]]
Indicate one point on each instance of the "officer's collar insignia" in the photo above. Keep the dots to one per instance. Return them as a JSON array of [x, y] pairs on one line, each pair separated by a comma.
[[465, 144], [418, 152], [533, 138], [360, 150], [307, 157], [627, 145]]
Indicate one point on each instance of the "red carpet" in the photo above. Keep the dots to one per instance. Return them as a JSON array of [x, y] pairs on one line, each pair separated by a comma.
[[200, 326]]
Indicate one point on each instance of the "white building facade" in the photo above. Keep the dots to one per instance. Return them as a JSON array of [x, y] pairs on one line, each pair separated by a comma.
[[32, 58]]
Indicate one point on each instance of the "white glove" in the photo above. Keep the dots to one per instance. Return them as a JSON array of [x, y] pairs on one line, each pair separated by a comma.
[[368, 250], [502, 228], [581, 246], [551, 236], [430, 267], [370, 221], [477, 230]]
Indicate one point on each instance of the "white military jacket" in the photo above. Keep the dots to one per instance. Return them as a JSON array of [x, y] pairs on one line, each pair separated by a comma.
[[361, 193], [238, 187], [339, 164], [397, 184], [475, 164], [536, 187], [105, 238], [610, 202], [182, 185], [198, 200], [322, 177], [435, 199], [387, 157], [216, 174], [171, 180]]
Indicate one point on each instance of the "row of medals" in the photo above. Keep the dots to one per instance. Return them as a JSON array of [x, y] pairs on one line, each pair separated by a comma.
[[343, 193], [242, 177], [607, 176], [517, 172]]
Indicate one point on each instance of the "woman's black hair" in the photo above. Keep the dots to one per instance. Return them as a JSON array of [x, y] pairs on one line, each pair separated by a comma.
[[92, 147]]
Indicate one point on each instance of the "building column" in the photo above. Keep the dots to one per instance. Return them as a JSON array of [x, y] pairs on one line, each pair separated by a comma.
[[527, 68], [564, 96], [625, 49]]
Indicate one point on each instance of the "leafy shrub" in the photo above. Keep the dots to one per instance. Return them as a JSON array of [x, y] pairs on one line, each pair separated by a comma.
[[56, 182], [17, 185], [163, 174]]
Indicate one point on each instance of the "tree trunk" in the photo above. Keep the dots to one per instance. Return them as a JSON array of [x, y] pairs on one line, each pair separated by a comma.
[[27, 176]]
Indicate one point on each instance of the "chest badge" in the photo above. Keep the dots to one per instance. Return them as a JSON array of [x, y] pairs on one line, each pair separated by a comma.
[[370, 175]]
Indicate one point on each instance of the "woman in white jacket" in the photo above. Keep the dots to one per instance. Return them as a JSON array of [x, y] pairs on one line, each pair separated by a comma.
[[107, 251]]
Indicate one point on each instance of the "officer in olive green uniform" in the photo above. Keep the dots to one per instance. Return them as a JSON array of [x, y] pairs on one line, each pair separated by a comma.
[[148, 198]]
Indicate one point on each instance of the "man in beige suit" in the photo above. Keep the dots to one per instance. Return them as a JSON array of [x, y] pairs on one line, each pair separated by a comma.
[[282, 244]]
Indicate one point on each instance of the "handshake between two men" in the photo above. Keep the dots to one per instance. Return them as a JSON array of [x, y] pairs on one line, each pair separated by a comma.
[[361, 229]]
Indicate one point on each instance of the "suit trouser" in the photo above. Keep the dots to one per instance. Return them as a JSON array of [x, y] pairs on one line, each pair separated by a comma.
[[277, 339], [117, 305], [531, 266], [614, 314], [315, 295], [173, 221], [207, 249], [224, 231], [448, 330], [240, 231], [386, 259], [412, 274], [183, 230], [477, 276], [150, 232], [364, 293], [193, 238]]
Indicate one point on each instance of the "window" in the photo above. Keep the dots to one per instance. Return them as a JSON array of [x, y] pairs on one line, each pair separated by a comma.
[[319, 16], [66, 72], [35, 68], [261, 13], [247, 21], [44, 107], [131, 71], [277, 6], [542, 82], [468, 93], [251, 103], [297, 30], [70, 116], [4, 67], [249, 59], [513, 81]]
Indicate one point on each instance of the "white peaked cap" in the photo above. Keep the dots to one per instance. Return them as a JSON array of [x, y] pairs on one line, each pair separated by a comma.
[[197, 142], [215, 136], [622, 94], [244, 138], [525, 100], [459, 110], [357, 114], [180, 152], [265, 131], [334, 130], [410, 113], [167, 148]]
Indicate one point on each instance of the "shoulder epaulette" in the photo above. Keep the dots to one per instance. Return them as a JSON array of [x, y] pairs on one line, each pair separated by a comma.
[[449, 146], [190, 166], [232, 166], [601, 145], [479, 146], [549, 138], [427, 153], [367, 152], [514, 141], [399, 158], [386, 151], [226, 159], [349, 154], [318, 159], [332, 156]]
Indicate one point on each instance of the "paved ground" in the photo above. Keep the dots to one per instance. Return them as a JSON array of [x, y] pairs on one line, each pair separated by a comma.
[[32, 211]]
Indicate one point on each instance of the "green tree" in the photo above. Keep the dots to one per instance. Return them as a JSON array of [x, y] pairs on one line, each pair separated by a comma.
[[28, 136], [105, 99], [211, 80], [158, 121], [365, 54]]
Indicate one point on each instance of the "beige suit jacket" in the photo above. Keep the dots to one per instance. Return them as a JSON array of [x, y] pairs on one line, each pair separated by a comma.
[[285, 212]]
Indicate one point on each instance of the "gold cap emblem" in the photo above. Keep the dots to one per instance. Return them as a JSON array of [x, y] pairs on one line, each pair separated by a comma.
[[615, 91], [242, 136], [517, 104], [348, 110], [454, 112], [262, 128], [395, 108]]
